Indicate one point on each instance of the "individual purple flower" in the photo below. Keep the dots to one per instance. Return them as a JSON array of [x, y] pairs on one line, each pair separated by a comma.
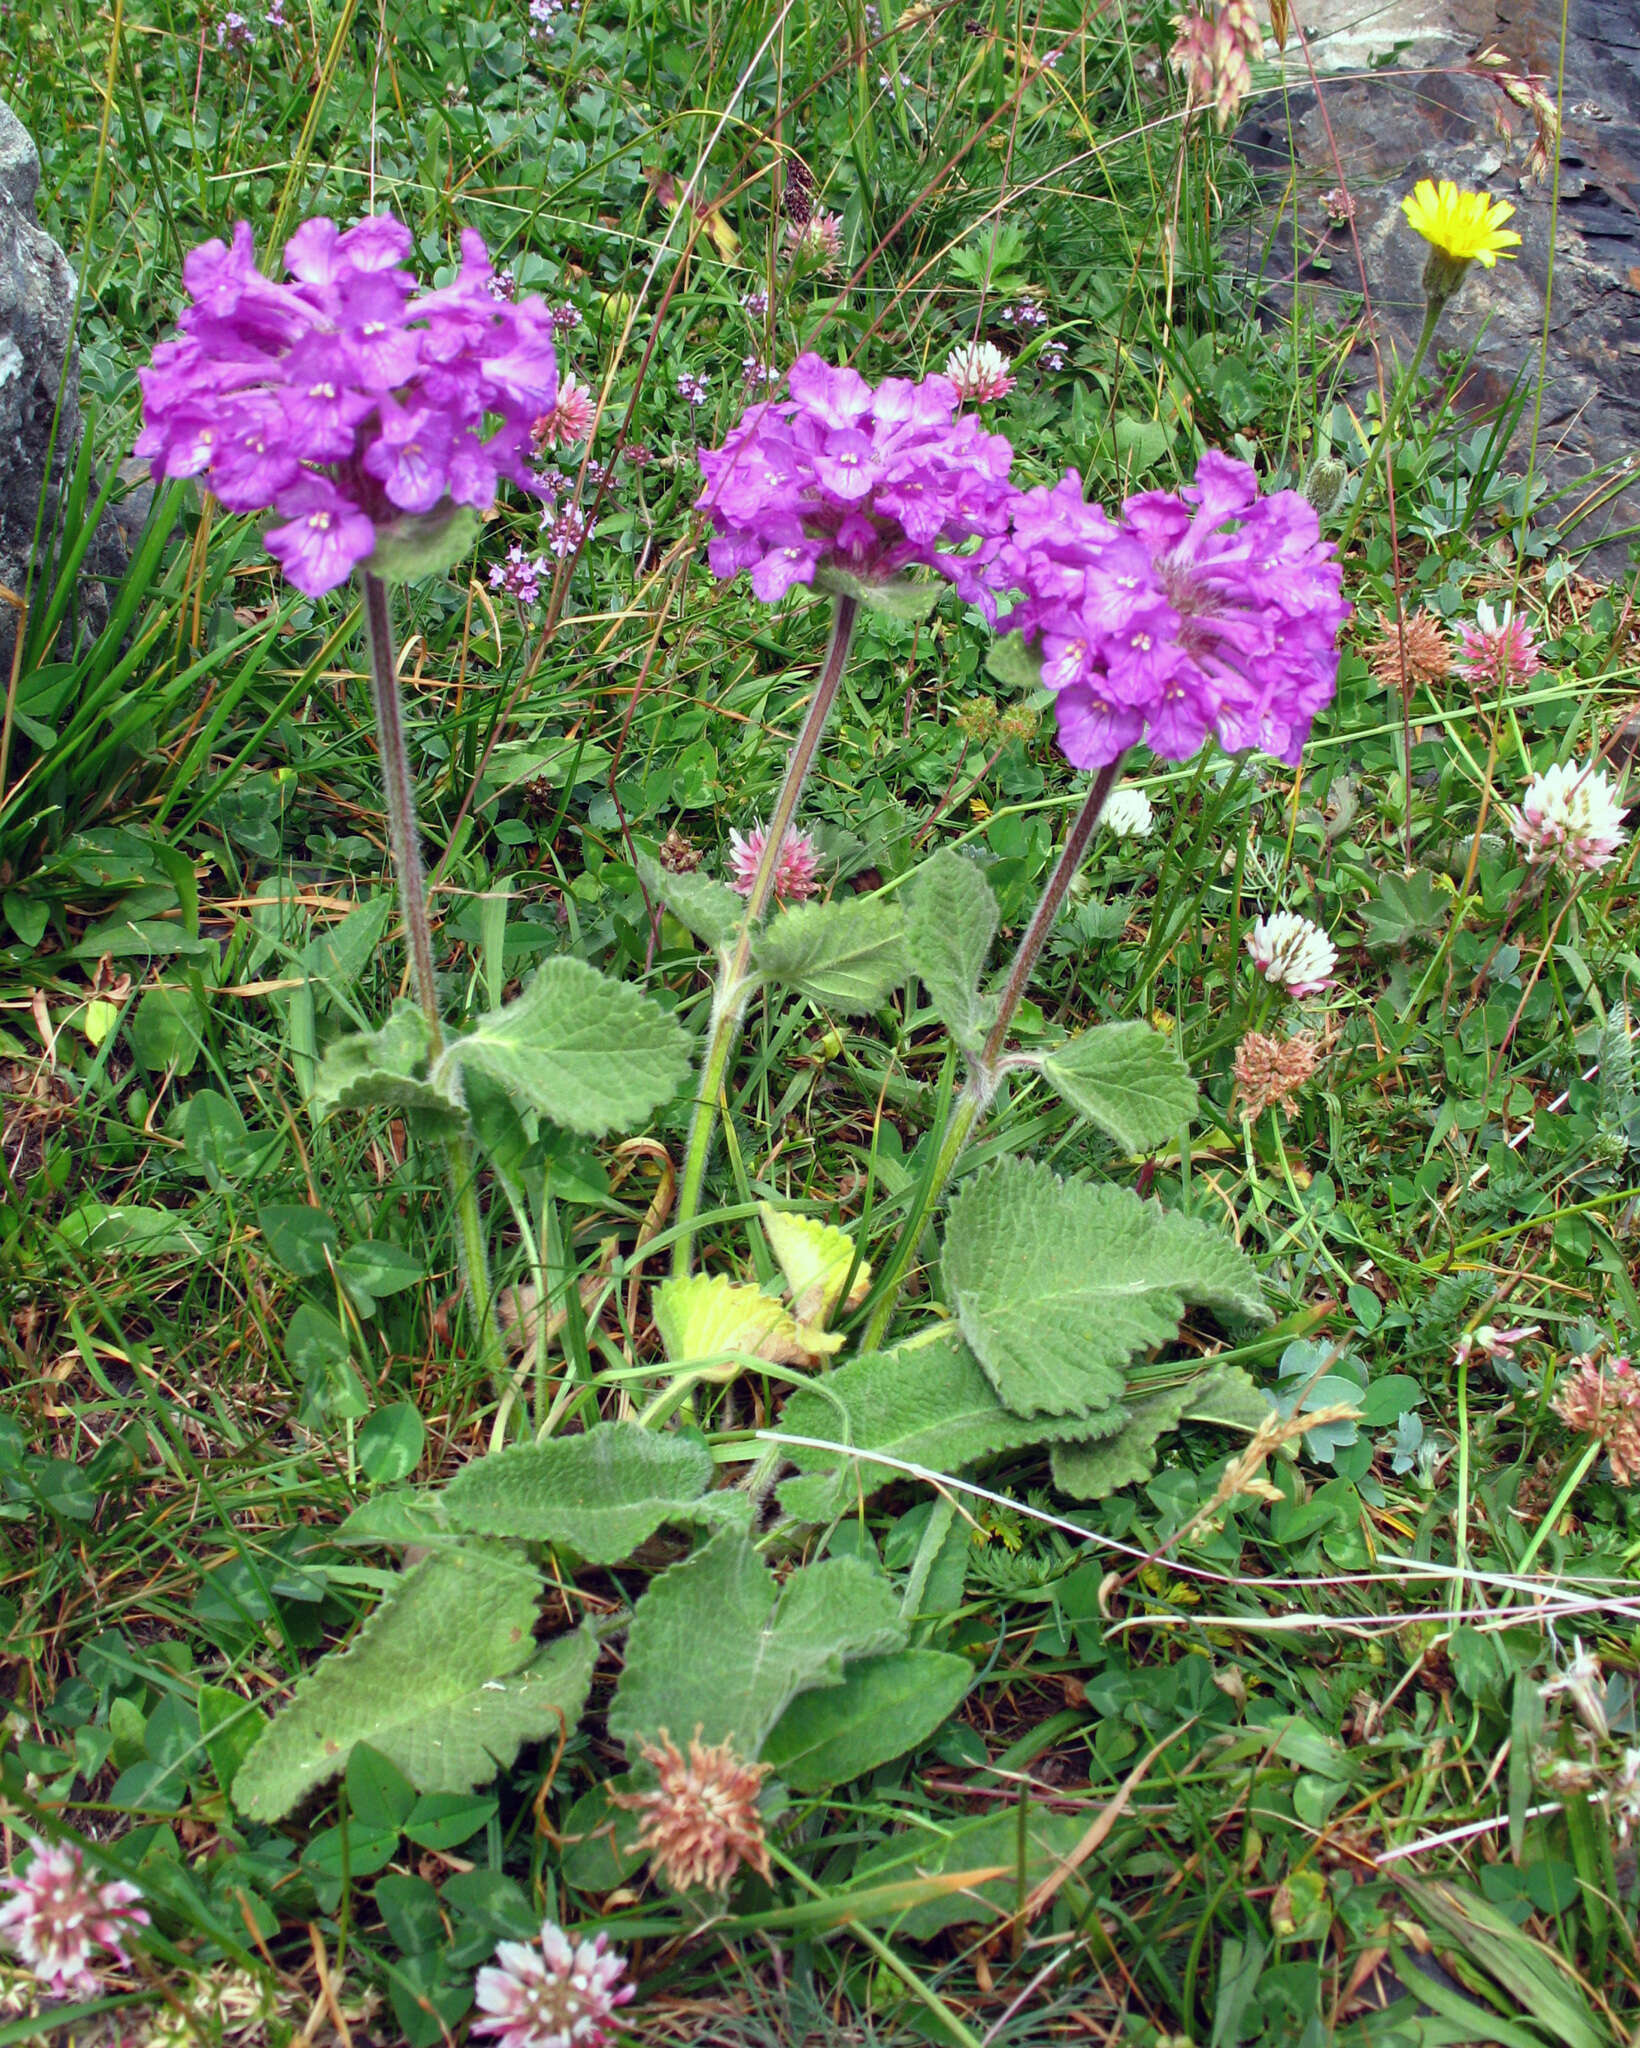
[[58, 1914], [342, 398], [324, 536], [755, 302], [864, 480], [275, 16], [1209, 611]]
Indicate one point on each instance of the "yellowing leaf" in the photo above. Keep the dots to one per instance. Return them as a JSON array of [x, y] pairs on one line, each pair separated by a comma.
[[99, 1019], [815, 1258], [702, 1317]]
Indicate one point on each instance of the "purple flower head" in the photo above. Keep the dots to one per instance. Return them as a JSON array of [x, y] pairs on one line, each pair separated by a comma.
[[1205, 612], [343, 398], [862, 480]]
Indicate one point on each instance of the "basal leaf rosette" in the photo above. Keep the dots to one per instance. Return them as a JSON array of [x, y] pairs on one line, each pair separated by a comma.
[[374, 419], [846, 484], [1209, 612]]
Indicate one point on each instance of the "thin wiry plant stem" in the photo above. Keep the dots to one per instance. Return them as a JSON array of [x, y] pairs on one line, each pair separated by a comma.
[[735, 980], [399, 787], [985, 1067]]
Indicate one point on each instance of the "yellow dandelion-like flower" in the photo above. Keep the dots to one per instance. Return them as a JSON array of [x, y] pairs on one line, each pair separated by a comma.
[[1466, 226]]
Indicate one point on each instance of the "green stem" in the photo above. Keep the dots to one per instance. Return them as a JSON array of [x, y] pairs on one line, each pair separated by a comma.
[[985, 1068], [399, 788], [735, 979], [1433, 308], [1575, 1479]]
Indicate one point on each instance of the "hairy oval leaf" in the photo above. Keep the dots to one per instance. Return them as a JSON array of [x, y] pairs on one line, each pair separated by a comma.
[[592, 1054], [1125, 1078], [443, 1680], [1057, 1284], [716, 1645], [847, 954], [602, 1493]]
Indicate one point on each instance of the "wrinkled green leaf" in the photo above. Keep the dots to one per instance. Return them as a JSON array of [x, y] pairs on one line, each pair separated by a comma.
[[926, 1402], [602, 1493], [883, 1707], [950, 920], [709, 909], [592, 1054], [716, 1644], [848, 955], [1088, 1471], [1125, 1078], [387, 1069], [1057, 1284], [443, 1680]]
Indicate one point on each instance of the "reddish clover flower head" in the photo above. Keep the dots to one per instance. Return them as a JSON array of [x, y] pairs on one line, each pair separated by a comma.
[[1499, 648], [341, 397], [571, 420], [796, 866], [866, 480], [1209, 611], [58, 1914], [560, 1994]]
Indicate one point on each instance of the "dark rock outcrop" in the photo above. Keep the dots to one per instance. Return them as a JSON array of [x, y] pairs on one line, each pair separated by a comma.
[[1442, 115], [39, 372]]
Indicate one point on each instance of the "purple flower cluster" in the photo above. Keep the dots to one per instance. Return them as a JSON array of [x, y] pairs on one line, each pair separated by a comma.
[[865, 481], [1209, 610], [345, 399]]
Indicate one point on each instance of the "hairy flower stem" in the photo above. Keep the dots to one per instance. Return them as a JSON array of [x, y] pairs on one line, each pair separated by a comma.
[[406, 845], [1385, 441], [735, 982], [985, 1067]]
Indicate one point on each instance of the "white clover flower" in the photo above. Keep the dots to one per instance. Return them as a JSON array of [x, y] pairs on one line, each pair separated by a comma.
[[1292, 953], [1128, 814], [1581, 1683], [1570, 816], [59, 1915], [979, 370], [560, 1994]]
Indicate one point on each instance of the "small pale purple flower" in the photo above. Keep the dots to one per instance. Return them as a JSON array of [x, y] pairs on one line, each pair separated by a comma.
[[755, 302], [865, 480], [565, 319], [567, 532], [234, 32], [692, 389], [58, 1915], [561, 1994], [757, 375], [343, 398], [520, 576]]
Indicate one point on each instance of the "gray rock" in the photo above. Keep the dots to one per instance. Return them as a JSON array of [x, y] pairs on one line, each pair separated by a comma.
[[38, 365]]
